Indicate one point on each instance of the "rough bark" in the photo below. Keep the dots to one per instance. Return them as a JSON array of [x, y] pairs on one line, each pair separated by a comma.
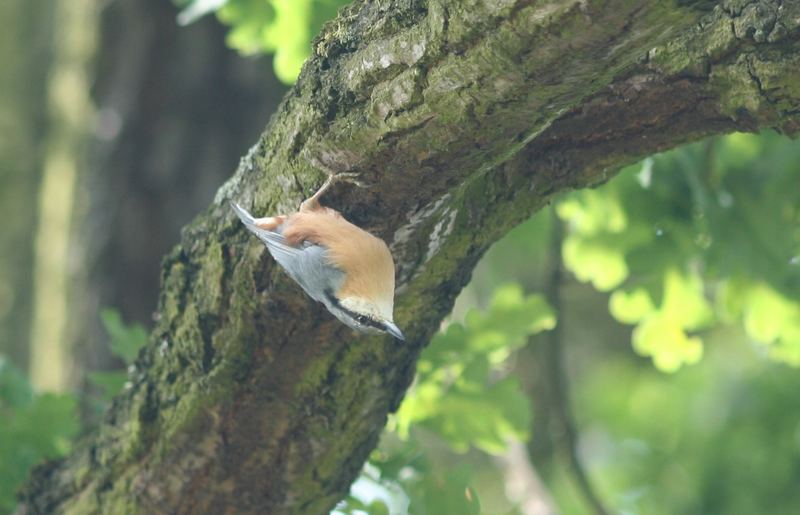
[[463, 118]]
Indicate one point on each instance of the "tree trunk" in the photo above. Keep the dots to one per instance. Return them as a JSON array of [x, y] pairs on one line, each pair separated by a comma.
[[463, 118], [69, 119], [25, 51]]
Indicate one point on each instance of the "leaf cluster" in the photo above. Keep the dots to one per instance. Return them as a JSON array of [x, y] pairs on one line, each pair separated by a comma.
[[39, 426], [693, 238], [34, 427], [463, 396]]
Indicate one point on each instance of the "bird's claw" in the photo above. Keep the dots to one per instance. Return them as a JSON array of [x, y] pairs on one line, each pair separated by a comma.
[[348, 177], [312, 203], [334, 177]]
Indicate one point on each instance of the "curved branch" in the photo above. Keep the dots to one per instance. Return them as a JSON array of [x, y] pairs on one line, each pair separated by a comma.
[[464, 117]]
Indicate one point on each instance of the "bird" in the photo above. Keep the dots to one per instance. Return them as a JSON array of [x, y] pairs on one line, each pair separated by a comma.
[[335, 262]]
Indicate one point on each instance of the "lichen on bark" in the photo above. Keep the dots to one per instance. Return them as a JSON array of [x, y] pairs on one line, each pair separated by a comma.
[[463, 118]]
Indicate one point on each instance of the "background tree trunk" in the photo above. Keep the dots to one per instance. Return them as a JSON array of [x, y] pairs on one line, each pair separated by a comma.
[[252, 399], [70, 114], [174, 108], [25, 49]]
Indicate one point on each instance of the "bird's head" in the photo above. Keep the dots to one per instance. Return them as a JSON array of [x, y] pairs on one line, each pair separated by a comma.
[[366, 315]]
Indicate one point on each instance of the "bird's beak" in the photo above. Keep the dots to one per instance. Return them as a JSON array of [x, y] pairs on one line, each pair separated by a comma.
[[394, 331]]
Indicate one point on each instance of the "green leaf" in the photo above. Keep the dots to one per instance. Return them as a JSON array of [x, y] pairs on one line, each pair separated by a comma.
[[125, 340], [110, 382], [34, 427], [249, 19], [768, 316], [603, 266], [282, 27], [15, 390], [485, 420], [460, 393], [665, 341], [630, 307], [684, 302], [713, 219]]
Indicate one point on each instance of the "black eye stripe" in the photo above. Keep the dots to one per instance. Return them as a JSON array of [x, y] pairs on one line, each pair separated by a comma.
[[372, 323], [361, 319]]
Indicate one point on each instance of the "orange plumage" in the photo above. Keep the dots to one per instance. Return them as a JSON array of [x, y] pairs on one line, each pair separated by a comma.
[[349, 247]]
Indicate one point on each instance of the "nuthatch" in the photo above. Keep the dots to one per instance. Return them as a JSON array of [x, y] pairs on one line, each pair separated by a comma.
[[337, 263]]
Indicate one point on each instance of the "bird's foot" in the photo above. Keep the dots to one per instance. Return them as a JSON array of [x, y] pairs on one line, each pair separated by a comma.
[[348, 177], [312, 202]]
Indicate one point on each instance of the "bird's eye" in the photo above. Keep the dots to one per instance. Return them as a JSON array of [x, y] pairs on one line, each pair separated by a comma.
[[361, 319]]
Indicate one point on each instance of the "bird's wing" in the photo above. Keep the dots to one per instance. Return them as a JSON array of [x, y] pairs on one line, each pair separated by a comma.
[[275, 241], [308, 264]]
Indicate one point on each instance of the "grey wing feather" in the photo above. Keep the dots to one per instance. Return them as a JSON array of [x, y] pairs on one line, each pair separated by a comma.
[[308, 264], [274, 240]]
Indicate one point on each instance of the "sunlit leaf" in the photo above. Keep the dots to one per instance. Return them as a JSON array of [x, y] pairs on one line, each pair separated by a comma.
[[666, 342], [456, 395], [630, 307], [684, 301], [768, 316], [280, 27], [603, 266], [713, 219]]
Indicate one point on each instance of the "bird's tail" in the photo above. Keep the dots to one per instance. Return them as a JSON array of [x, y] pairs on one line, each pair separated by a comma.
[[243, 215], [275, 241]]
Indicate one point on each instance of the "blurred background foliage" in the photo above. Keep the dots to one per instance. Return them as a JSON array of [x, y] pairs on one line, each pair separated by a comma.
[[281, 27], [34, 426], [630, 349]]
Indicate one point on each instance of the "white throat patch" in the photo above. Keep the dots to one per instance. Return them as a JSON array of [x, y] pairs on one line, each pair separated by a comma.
[[380, 310]]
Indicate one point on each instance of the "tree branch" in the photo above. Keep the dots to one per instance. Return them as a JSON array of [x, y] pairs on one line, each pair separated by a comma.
[[464, 118], [561, 406]]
